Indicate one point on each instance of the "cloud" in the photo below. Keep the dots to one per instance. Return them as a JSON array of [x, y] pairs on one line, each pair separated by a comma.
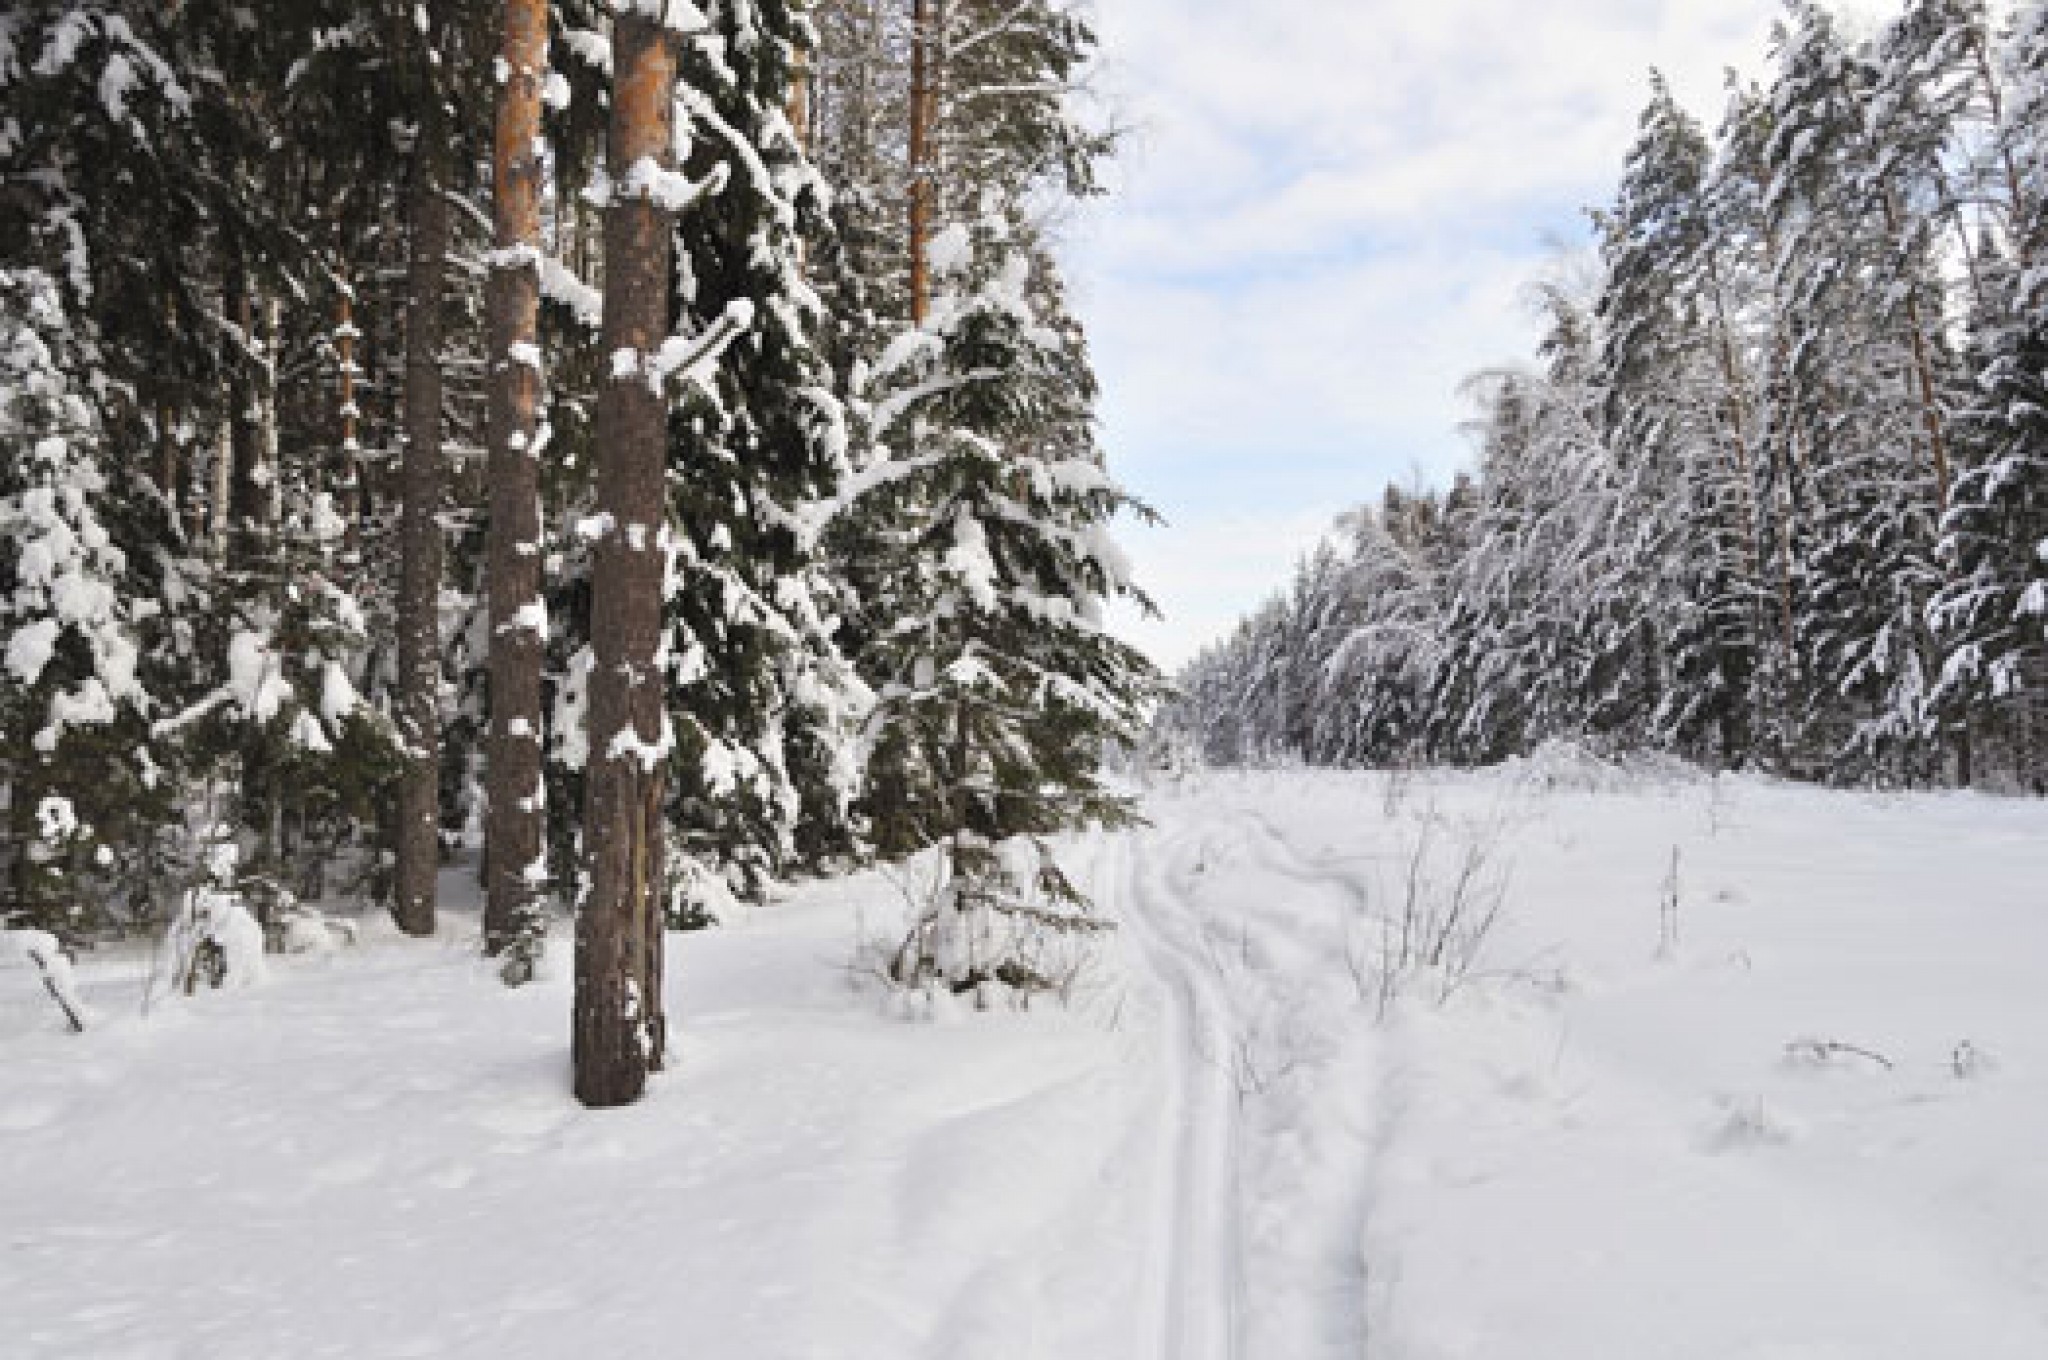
[[1326, 220]]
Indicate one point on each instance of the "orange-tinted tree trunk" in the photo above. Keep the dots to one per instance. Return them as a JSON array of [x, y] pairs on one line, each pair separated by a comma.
[[618, 1037], [518, 621]]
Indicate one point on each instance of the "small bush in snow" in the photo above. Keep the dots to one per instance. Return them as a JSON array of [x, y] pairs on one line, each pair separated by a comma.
[[214, 938], [1016, 922], [1450, 898]]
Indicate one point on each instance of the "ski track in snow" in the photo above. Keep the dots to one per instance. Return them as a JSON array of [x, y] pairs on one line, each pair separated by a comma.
[[1197, 1254]]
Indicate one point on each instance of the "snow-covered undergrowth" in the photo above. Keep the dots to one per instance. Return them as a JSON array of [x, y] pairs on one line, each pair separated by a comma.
[[1711, 1068]]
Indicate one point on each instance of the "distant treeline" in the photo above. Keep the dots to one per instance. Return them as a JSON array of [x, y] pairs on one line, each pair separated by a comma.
[[1774, 493]]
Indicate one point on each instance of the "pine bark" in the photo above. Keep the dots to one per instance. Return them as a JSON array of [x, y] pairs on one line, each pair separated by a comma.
[[920, 154], [618, 1035], [349, 474], [238, 482], [513, 829], [418, 842]]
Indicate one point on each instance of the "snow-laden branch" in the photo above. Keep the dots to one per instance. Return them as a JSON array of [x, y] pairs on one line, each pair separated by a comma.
[[690, 358], [558, 282], [670, 190], [810, 520], [893, 407]]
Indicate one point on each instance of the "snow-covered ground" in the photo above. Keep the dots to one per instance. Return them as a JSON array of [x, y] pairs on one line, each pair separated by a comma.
[[1787, 1100]]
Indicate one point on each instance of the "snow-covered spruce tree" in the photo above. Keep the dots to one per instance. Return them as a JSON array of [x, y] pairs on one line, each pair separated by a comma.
[[1992, 608], [764, 704], [80, 629], [179, 343], [1380, 674], [1861, 400], [1991, 613], [998, 686], [973, 532], [1675, 414]]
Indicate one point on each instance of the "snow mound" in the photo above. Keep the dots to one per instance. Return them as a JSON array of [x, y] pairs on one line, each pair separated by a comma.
[[1575, 766]]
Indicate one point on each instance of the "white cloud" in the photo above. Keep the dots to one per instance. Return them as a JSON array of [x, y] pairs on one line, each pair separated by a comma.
[[1325, 222]]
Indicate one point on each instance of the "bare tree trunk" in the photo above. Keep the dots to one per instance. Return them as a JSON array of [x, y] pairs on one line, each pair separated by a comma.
[[349, 476], [269, 417], [920, 158], [513, 830], [618, 1035], [419, 643]]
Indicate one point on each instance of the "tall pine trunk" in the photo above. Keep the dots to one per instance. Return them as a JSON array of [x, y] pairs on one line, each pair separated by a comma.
[[920, 155], [514, 794], [245, 502], [419, 644], [618, 1034]]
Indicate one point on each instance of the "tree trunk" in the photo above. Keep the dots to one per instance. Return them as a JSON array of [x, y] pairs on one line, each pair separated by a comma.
[[513, 829], [246, 499], [349, 475], [920, 159], [419, 642], [618, 1036]]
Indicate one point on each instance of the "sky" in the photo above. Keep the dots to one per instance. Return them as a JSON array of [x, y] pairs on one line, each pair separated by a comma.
[[1325, 216]]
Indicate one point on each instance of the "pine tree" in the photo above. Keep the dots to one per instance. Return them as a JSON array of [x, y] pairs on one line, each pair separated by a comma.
[[1989, 614], [513, 917], [765, 703], [1675, 412], [85, 775], [619, 1027], [1000, 685]]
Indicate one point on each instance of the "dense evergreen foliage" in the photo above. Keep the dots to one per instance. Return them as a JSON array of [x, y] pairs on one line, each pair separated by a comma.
[[243, 488]]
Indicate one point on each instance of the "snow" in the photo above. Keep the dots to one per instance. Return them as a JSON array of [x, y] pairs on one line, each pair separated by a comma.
[[1788, 1100], [692, 358], [530, 617], [31, 648], [40, 951], [669, 190], [951, 250], [338, 696], [256, 677]]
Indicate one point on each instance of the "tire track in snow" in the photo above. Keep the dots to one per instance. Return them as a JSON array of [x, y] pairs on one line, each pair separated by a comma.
[[1198, 1244]]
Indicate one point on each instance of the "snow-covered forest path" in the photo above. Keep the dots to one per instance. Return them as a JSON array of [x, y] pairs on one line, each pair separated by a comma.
[[1197, 1258], [1742, 1072]]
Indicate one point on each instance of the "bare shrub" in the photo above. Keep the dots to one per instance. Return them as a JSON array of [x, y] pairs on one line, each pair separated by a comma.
[[1451, 894]]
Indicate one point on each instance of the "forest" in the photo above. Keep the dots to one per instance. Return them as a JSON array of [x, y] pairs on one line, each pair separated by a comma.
[[639, 450], [1772, 494], [575, 776]]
